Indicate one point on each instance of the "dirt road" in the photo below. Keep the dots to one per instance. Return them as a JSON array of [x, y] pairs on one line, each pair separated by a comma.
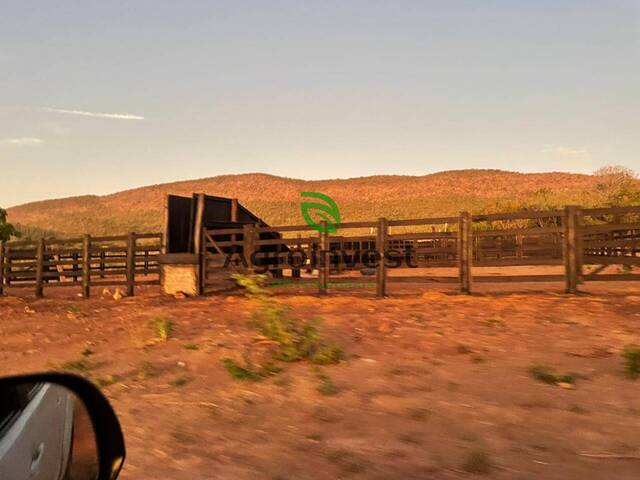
[[434, 384]]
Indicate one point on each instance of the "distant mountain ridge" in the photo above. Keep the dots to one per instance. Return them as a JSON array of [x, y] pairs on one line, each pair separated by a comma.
[[276, 199]]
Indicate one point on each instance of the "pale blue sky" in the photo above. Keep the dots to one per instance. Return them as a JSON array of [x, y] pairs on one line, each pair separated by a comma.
[[317, 89]]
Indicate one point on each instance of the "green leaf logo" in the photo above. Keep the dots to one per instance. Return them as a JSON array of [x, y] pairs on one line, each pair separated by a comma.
[[328, 210]]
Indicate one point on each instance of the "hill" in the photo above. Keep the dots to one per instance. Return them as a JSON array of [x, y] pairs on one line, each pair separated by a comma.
[[276, 199]]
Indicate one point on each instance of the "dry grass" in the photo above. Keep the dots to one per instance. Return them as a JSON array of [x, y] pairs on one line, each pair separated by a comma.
[[276, 199]]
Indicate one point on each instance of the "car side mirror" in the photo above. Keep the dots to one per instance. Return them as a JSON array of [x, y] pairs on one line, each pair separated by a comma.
[[56, 426]]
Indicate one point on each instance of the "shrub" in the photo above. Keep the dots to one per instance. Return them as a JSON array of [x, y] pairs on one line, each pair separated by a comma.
[[327, 355], [546, 375], [181, 381], [163, 328], [296, 339], [631, 355], [543, 374], [78, 365], [6, 229], [327, 387], [253, 284], [103, 382], [239, 372], [477, 462]]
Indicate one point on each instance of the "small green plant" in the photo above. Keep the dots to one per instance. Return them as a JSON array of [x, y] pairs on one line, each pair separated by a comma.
[[477, 463], [546, 374], [327, 387], [192, 346], [239, 372], [81, 365], [568, 378], [254, 284], [542, 374], [327, 355], [296, 339], [181, 381], [87, 352], [631, 356], [163, 328], [103, 382]]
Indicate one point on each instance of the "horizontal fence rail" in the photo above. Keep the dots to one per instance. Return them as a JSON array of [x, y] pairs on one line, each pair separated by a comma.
[[579, 243], [128, 260], [571, 237]]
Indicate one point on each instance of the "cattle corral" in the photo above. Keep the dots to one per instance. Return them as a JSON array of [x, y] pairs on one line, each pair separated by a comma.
[[220, 237], [438, 379]]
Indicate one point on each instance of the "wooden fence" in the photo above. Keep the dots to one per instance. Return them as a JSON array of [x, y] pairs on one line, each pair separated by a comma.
[[85, 262], [572, 237]]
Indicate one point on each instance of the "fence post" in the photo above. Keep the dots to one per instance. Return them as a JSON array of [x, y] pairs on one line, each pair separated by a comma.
[[76, 266], [164, 239], [571, 260], [465, 252], [1, 267], [249, 244], [40, 268], [198, 226], [8, 269], [202, 262], [86, 266], [381, 270], [131, 264], [102, 263], [579, 244], [296, 272], [234, 210], [323, 267]]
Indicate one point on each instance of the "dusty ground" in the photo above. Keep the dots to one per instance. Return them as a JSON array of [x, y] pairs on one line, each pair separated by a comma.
[[432, 380]]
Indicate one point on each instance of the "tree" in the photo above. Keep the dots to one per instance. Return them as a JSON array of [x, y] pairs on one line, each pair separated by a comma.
[[614, 177], [6, 229], [619, 184]]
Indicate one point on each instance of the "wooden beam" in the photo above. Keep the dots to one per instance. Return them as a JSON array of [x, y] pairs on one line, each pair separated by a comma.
[[570, 250], [465, 252], [131, 264], [381, 245], [40, 268], [86, 266], [249, 244], [323, 267], [234, 209], [164, 242], [579, 221], [197, 227]]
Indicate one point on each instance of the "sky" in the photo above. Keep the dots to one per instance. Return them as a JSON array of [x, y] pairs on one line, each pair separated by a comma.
[[98, 97]]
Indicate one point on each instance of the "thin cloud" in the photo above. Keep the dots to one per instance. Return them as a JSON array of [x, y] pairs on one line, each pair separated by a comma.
[[571, 158], [567, 151], [83, 113], [22, 141]]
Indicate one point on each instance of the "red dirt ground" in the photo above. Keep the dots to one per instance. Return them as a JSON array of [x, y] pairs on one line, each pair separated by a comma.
[[433, 384]]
